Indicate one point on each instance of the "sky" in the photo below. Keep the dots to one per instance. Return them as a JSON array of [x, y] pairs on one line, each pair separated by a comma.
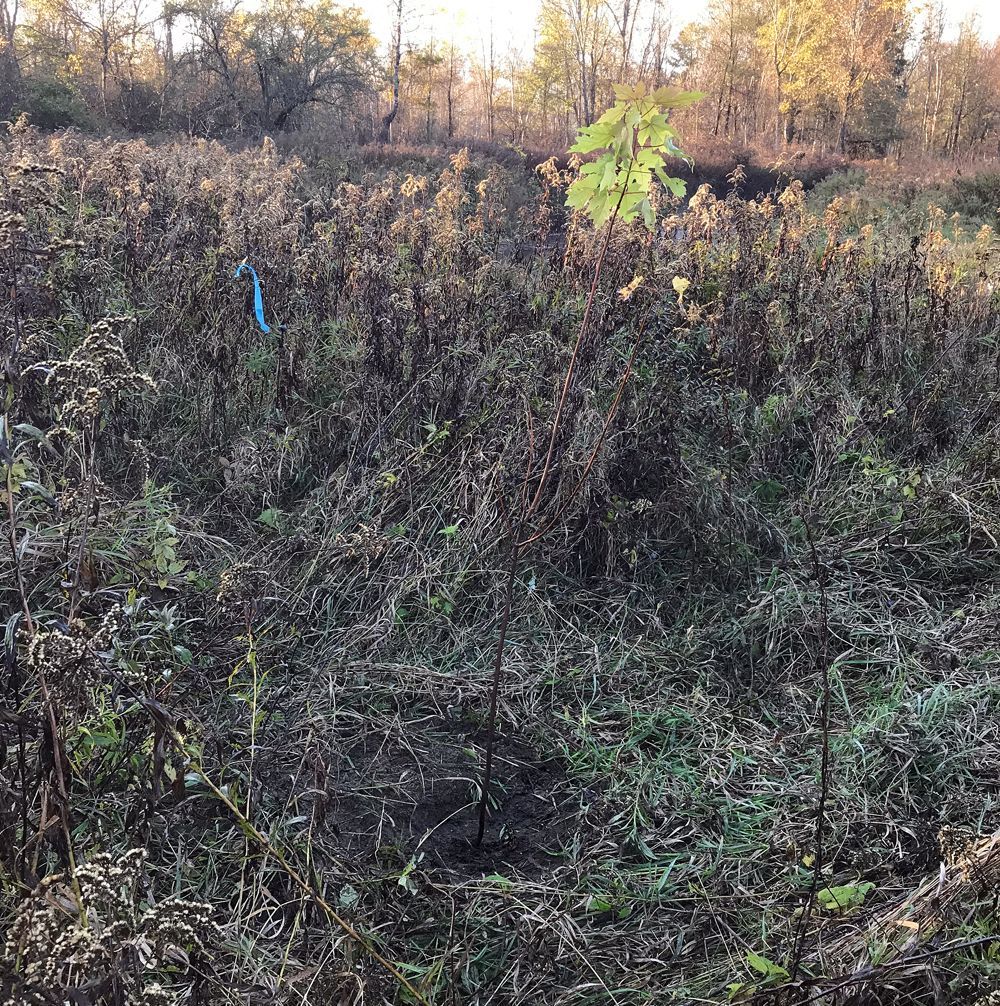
[[513, 21]]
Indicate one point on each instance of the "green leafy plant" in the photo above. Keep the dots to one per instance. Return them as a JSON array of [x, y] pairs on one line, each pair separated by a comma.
[[405, 878], [270, 517], [636, 140], [163, 562], [441, 605], [772, 975], [435, 434], [845, 898]]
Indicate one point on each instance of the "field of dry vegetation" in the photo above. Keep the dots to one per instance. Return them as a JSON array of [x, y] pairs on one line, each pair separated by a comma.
[[250, 585]]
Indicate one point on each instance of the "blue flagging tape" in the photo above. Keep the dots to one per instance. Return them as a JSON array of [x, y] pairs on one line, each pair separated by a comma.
[[258, 300]]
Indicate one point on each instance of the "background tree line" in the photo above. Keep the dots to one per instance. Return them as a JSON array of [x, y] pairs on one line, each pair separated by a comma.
[[868, 77]]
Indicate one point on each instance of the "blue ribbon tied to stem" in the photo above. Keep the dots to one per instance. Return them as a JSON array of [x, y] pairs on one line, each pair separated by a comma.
[[258, 300]]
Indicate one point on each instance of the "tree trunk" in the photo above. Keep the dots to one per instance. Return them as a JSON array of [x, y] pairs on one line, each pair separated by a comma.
[[385, 128], [451, 89], [10, 69]]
